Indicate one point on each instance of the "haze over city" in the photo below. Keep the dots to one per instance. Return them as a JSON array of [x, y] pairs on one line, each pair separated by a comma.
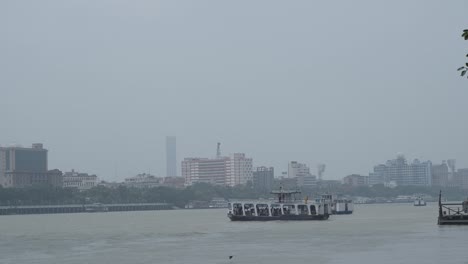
[[348, 84]]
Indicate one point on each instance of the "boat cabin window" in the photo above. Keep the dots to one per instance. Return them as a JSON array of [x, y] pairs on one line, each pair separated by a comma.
[[249, 209], [289, 209], [312, 210], [302, 209], [275, 210], [237, 209], [262, 209]]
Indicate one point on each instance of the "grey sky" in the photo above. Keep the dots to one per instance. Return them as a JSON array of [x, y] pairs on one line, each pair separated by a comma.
[[346, 83]]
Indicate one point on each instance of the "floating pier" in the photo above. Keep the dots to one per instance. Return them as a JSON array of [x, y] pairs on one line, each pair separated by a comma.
[[452, 213]]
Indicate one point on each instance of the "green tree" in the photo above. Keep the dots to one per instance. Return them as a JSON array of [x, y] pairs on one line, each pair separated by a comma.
[[464, 69]]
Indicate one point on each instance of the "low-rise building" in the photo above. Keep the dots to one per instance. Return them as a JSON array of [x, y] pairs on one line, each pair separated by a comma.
[[81, 181], [143, 181], [174, 182], [21, 179]]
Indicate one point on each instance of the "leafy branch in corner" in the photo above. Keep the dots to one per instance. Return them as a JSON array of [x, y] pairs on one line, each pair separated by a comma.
[[464, 69]]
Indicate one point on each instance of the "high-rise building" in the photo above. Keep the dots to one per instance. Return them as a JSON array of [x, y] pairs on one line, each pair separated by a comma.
[[379, 175], [301, 172], [241, 169], [263, 178], [23, 167], [440, 173], [171, 156], [401, 173], [296, 169], [461, 178], [233, 170], [203, 170]]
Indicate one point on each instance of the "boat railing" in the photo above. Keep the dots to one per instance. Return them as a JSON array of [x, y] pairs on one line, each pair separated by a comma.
[[452, 208]]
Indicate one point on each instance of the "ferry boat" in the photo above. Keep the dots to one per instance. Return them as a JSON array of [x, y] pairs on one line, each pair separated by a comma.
[[419, 202], [286, 207], [452, 213], [340, 206]]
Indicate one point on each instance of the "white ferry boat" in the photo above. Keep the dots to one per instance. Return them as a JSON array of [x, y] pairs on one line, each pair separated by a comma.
[[419, 202], [285, 208]]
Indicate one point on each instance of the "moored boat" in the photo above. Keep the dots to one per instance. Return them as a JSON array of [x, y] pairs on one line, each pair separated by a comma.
[[339, 205], [452, 213], [343, 206], [286, 207]]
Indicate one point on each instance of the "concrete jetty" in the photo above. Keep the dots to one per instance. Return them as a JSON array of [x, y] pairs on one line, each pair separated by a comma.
[[76, 208]]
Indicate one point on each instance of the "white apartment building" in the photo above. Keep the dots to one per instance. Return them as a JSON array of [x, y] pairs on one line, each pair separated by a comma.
[[401, 173], [241, 170], [231, 171]]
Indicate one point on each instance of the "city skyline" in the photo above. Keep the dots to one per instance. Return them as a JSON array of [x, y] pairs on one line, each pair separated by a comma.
[[278, 81], [279, 172]]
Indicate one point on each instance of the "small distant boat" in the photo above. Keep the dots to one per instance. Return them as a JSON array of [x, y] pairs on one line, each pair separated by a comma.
[[286, 207], [419, 202], [218, 203], [452, 213], [96, 207]]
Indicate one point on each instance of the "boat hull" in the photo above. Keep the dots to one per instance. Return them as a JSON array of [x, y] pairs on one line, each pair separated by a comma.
[[453, 220], [277, 218]]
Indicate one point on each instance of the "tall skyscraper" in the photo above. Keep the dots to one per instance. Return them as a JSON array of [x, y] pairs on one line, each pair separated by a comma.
[[171, 159]]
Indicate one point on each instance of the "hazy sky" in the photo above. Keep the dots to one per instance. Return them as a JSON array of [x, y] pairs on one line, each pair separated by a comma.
[[346, 83]]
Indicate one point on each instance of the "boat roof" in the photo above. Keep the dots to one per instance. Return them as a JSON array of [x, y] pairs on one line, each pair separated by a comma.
[[285, 192]]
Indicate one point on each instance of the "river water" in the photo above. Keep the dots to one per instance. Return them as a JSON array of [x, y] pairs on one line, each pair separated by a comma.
[[388, 233]]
